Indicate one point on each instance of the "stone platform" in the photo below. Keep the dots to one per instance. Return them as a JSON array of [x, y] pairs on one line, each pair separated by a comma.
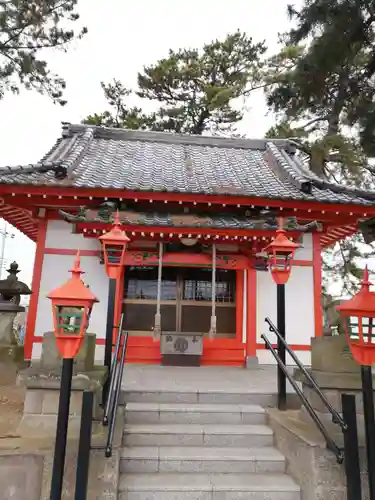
[[235, 383]]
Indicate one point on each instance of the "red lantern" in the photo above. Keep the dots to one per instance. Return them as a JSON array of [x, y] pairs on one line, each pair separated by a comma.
[[114, 245], [359, 320], [280, 256], [71, 307]]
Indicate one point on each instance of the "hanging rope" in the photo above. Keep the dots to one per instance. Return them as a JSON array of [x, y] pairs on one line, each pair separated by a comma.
[[212, 331], [157, 325]]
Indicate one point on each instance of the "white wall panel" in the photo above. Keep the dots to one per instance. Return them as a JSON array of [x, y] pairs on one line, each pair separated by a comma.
[[59, 235], [306, 251], [299, 308], [54, 273]]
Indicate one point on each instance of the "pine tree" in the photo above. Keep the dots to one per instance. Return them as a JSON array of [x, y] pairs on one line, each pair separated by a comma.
[[342, 32], [121, 115], [323, 101], [196, 90], [27, 29]]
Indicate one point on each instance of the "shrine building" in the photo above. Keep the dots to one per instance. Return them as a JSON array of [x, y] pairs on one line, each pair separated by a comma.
[[198, 212]]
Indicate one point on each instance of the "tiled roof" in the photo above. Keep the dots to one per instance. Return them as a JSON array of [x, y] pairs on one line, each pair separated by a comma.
[[97, 157], [218, 221]]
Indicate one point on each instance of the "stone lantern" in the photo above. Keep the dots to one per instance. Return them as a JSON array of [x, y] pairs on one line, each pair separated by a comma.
[[11, 353]]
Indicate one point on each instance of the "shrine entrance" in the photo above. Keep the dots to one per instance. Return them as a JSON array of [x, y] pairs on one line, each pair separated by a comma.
[[185, 300]]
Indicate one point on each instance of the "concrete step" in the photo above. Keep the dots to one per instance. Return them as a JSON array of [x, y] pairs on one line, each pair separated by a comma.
[[197, 435], [214, 396], [186, 459], [194, 413], [160, 486]]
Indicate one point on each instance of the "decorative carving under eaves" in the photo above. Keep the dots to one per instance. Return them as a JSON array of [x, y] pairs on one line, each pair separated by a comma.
[[224, 221]]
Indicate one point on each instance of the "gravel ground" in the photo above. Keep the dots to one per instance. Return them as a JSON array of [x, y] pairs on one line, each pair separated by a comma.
[[11, 406]]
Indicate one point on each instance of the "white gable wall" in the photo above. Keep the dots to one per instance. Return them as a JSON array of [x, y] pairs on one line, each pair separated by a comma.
[[299, 306], [59, 235], [56, 271]]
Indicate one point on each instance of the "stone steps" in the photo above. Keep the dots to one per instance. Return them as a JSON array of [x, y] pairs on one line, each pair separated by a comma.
[[197, 435], [193, 446], [198, 413], [160, 486], [204, 397], [189, 459]]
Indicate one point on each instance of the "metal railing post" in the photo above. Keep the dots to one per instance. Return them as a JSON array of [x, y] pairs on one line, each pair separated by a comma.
[[108, 335], [351, 452], [83, 459], [281, 378], [61, 430], [112, 373], [117, 389]]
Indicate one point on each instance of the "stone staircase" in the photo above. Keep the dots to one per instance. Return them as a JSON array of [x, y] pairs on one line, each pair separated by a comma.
[[200, 446]]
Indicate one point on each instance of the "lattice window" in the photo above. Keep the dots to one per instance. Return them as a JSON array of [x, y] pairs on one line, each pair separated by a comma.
[[200, 288]]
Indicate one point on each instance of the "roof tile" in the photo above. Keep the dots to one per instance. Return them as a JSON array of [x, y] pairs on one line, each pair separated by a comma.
[[96, 157]]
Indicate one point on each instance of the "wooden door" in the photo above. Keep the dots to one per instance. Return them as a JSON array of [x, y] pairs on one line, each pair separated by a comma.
[[195, 301], [185, 300], [140, 300]]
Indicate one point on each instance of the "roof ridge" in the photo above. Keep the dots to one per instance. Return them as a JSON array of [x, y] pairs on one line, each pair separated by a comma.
[[47, 163], [170, 137], [284, 167], [30, 169], [76, 147], [320, 183]]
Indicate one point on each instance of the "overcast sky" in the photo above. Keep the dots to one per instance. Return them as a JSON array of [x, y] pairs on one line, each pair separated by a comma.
[[123, 37]]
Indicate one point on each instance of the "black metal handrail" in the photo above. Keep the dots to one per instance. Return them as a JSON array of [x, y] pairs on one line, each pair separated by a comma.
[[331, 445], [111, 375], [116, 388], [336, 417]]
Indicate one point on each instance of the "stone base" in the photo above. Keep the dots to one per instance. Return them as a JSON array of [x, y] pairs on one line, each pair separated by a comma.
[[310, 463], [6, 322], [26, 467], [333, 385], [42, 401], [251, 362], [11, 362], [333, 355], [51, 359]]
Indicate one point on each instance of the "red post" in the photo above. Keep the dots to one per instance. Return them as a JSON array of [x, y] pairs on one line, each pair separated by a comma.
[[35, 287], [251, 314], [239, 304]]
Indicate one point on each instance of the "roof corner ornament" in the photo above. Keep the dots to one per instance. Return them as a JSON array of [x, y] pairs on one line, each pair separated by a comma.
[[60, 172]]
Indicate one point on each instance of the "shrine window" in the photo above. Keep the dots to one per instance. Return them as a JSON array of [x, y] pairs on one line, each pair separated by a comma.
[[142, 283], [198, 285]]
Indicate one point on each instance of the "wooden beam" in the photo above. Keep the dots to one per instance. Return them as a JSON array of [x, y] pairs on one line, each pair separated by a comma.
[[208, 200]]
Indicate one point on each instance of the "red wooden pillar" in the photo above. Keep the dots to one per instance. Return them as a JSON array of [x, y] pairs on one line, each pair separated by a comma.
[[239, 304], [35, 287], [251, 314]]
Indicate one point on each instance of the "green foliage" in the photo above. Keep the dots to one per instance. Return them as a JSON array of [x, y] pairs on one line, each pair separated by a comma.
[[27, 29], [321, 87], [194, 89], [121, 115], [342, 49], [316, 108]]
